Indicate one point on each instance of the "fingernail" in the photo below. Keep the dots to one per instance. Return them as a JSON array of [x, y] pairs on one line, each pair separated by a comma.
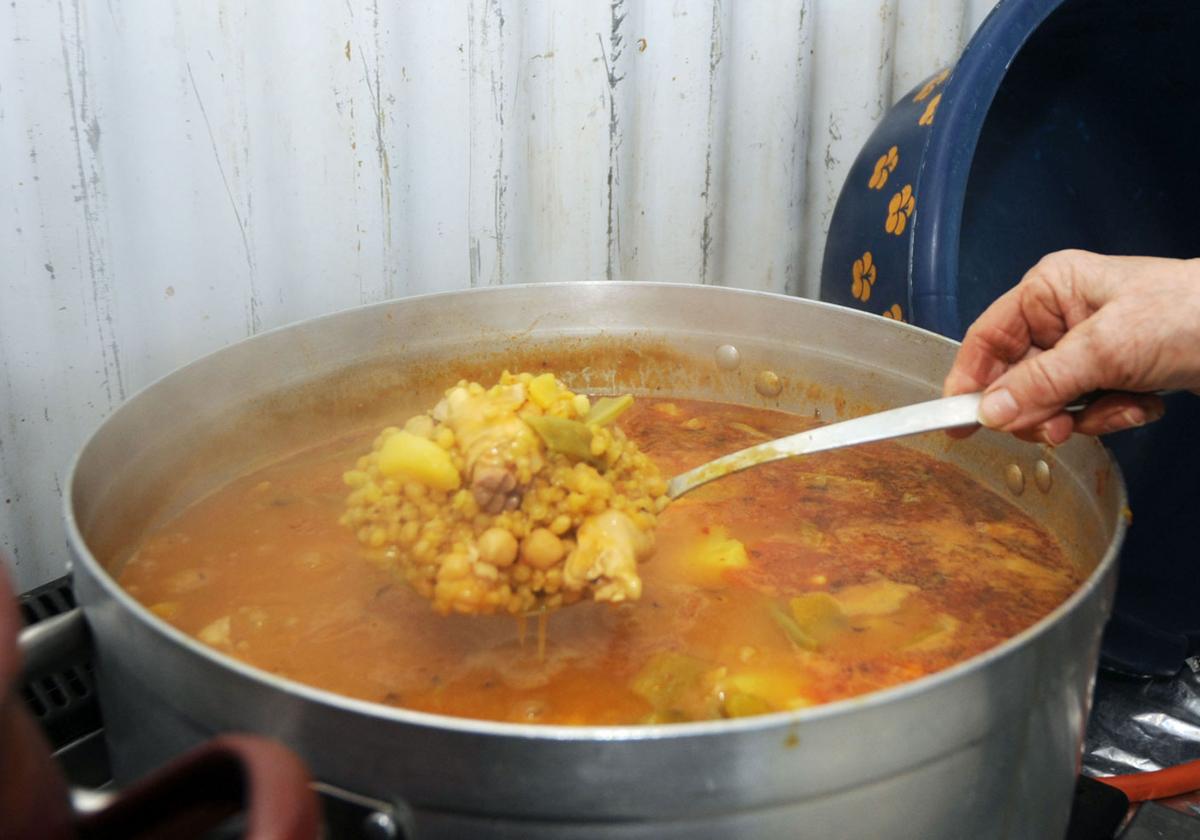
[[1051, 441], [1130, 418], [998, 408], [1134, 417]]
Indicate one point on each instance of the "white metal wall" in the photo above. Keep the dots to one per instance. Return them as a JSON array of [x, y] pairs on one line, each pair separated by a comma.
[[179, 175]]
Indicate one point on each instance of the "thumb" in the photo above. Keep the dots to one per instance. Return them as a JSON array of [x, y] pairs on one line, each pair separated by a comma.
[[1038, 387]]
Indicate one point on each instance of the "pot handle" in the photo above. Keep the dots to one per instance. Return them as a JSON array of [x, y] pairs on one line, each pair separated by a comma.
[[199, 791], [227, 775], [48, 645]]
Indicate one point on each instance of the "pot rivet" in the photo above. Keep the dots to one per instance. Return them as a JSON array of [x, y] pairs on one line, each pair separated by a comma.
[[1041, 476], [728, 357], [380, 826], [768, 383], [1015, 479]]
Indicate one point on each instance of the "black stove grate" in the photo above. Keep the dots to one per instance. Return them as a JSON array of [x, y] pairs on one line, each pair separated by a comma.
[[63, 702]]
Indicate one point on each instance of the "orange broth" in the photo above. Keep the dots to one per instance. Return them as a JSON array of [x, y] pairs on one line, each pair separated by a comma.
[[929, 567]]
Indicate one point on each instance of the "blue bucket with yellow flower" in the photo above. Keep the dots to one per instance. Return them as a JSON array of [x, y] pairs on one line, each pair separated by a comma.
[[1063, 125]]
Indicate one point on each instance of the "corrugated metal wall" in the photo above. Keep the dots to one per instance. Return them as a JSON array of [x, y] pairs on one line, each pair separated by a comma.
[[179, 175]]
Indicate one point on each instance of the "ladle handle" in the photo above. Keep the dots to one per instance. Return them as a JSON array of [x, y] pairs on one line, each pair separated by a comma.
[[930, 416], [944, 413]]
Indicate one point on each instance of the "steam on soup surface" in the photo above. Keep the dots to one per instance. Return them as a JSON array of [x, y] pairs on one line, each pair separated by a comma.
[[787, 585]]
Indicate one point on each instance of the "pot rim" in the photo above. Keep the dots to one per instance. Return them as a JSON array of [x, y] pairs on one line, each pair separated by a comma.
[[564, 732]]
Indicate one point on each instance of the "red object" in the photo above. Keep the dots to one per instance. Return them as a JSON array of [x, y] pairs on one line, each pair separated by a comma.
[[186, 798], [1159, 784]]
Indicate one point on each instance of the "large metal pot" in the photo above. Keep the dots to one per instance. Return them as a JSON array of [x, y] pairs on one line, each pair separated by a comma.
[[987, 749]]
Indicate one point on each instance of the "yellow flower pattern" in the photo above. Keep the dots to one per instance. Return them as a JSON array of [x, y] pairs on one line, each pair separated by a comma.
[[900, 208], [885, 166], [864, 273], [930, 109], [928, 87]]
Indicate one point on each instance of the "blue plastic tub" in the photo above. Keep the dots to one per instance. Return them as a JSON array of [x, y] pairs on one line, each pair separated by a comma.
[[1063, 125]]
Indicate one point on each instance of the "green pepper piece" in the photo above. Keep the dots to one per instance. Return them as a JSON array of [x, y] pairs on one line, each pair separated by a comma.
[[791, 628], [607, 409], [570, 437], [673, 682], [819, 616]]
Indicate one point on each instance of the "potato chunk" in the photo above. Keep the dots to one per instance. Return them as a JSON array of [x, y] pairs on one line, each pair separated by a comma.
[[716, 553], [409, 456], [879, 597]]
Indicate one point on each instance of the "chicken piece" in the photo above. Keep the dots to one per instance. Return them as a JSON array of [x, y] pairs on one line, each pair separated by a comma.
[[495, 488], [501, 451], [610, 545]]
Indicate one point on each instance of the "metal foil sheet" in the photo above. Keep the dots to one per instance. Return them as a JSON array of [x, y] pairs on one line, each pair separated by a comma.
[[1141, 725]]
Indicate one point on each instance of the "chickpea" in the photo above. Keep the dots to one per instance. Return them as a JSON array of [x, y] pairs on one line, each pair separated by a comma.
[[454, 567], [497, 547], [420, 425], [409, 532], [541, 549]]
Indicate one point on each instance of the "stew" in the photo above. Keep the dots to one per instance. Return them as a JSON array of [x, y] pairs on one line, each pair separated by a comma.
[[787, 585]]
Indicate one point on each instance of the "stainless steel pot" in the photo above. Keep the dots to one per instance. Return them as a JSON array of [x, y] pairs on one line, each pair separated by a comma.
[[987, 749]]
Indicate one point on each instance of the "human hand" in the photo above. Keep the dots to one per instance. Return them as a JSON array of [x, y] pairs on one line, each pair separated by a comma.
[[1080, 322]]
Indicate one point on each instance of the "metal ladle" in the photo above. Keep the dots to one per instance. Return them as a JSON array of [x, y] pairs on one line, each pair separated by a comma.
[[930, 416]]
